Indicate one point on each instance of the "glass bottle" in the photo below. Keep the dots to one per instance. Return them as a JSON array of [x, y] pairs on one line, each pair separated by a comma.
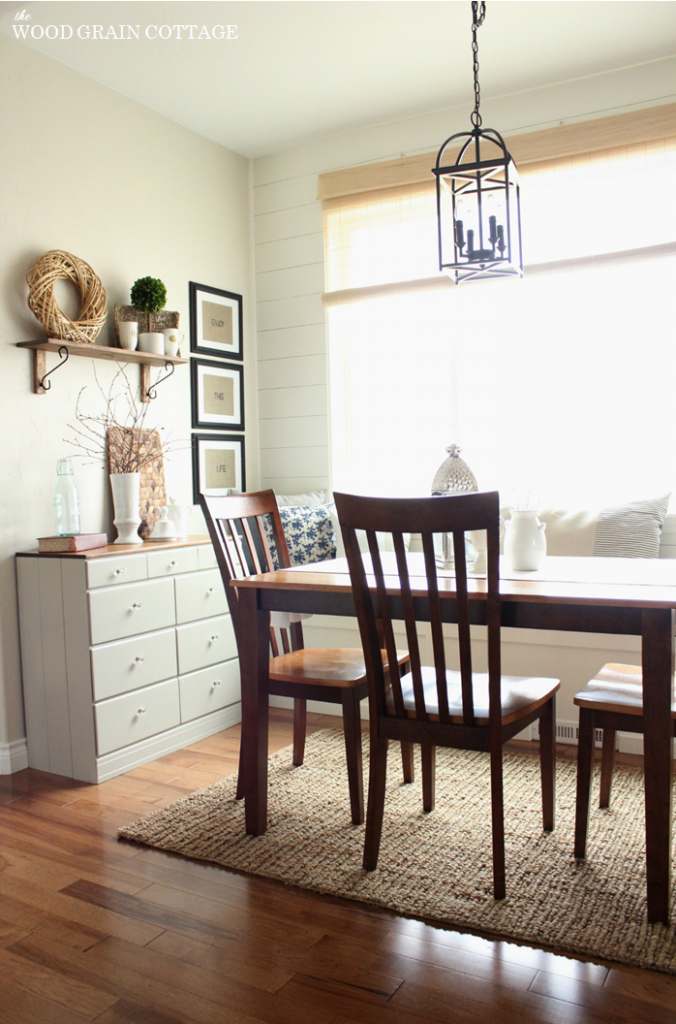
[[66, 501]]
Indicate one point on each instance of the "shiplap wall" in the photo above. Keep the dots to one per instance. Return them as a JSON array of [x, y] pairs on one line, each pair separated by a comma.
[[292, 370], [293, 392]]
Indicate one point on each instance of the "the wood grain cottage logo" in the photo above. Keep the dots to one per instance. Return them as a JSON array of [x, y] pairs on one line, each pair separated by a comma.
[[25, 28]]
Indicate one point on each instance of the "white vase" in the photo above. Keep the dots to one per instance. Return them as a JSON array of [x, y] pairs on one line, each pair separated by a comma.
[[525, 543], [126, 489]]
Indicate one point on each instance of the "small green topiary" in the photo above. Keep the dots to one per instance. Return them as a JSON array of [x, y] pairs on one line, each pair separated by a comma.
[[149, 295]]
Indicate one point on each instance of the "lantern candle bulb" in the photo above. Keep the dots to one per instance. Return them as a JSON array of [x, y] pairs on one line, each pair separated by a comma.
[[492, 233], [501, 239], [459, 235]]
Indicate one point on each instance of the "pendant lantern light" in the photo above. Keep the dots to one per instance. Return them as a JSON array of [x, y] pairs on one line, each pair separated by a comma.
[[478, 196]]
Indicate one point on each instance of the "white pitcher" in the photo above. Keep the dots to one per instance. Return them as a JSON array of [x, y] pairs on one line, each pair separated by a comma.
[[525, 543]]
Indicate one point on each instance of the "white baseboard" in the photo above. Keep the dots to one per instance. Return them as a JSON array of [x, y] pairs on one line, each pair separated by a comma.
[[13, 757]]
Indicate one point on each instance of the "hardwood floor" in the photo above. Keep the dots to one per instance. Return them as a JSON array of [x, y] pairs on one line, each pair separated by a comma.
[[92, 929]]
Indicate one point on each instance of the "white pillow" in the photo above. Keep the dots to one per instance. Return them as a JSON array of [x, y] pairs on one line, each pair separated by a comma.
[[570, 532], [311, 498], [632, 530]]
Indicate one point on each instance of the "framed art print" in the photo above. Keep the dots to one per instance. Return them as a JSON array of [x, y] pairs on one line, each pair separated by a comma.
[[217, 464], [217, 395], [215, 322]]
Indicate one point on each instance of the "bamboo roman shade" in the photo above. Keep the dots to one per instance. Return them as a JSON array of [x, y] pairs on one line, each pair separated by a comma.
[[363, 204]]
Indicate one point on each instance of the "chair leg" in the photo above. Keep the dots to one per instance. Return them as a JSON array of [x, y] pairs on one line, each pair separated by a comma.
[[352, 730], [429, 764], [498, 824], [299, 729], [607, 758], [585, 757], [407, 761], [376, 803], [548, 764], [239, 795]]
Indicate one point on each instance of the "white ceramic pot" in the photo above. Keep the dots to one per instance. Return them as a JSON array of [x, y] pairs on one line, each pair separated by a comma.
[[152, 343], [163, 529], [525, 544], [128, 335], [126, 488], [179, 516]]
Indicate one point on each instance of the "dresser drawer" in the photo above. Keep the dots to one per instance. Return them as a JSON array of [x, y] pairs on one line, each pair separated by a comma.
[[121, 721], [208, 690], [129, 610], [109, 572], [207, 556], [205, 643], [128, 664], [200, 596], [170, 562]]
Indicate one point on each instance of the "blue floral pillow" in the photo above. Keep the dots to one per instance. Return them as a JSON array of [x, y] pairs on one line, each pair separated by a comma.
[[309, 532]]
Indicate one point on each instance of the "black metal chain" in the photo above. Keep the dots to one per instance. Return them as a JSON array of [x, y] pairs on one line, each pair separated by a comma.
[[478, 15]]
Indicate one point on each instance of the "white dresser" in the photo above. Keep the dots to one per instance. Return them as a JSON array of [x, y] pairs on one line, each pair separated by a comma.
[[128, 653]]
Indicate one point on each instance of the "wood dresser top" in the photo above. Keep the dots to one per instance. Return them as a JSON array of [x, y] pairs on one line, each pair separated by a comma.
[[118, 549]]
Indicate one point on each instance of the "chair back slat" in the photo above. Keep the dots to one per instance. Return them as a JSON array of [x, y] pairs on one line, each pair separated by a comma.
[[368, 625], [236, 525], [384, 621], [411, 625], [464, 638], [252, 547], [421, 600], [438, 649], [493, 620]]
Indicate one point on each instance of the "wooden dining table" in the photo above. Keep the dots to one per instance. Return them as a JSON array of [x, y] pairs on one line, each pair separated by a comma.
[[635, 597]]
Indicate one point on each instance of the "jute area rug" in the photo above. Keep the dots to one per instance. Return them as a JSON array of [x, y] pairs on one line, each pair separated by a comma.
[[438, 866]]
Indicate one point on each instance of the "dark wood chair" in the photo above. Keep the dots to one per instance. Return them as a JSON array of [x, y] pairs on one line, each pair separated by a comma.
[[612, 700], [432, 705], [338, 676]]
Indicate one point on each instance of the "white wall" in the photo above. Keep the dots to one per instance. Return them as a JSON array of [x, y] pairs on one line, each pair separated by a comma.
[[293, 396], [133, 194]]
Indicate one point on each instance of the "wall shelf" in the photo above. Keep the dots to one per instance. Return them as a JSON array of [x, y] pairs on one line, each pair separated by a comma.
[[65, 349]]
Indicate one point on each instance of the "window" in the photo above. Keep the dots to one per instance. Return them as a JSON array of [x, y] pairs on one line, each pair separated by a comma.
[[559, 386]]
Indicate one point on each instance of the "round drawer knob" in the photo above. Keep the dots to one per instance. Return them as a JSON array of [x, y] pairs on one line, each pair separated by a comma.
[[214, 638], [211, 590], [216, 682], [139, 659], [121, 571], [173, 562], [136, 604], [141, 711]]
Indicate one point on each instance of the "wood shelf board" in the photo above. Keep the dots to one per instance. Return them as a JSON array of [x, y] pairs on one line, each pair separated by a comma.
[[119, 355]]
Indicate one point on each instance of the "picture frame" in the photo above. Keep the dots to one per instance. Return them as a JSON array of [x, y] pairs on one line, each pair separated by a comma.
[[218, 465], [217, 391], [216, 322]]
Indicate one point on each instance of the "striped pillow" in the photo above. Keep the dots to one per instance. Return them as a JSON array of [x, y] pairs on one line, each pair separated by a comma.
[[631, 531]]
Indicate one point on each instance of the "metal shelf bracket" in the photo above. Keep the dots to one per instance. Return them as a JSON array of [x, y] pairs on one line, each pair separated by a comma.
[[151, 392], [63, 352]]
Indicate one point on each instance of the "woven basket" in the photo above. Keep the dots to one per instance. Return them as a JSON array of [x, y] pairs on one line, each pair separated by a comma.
[[58, 265]]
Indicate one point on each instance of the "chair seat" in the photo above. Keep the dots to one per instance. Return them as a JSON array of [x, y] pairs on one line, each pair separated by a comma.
[[617, 688], [331, 667], [518, 693]]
